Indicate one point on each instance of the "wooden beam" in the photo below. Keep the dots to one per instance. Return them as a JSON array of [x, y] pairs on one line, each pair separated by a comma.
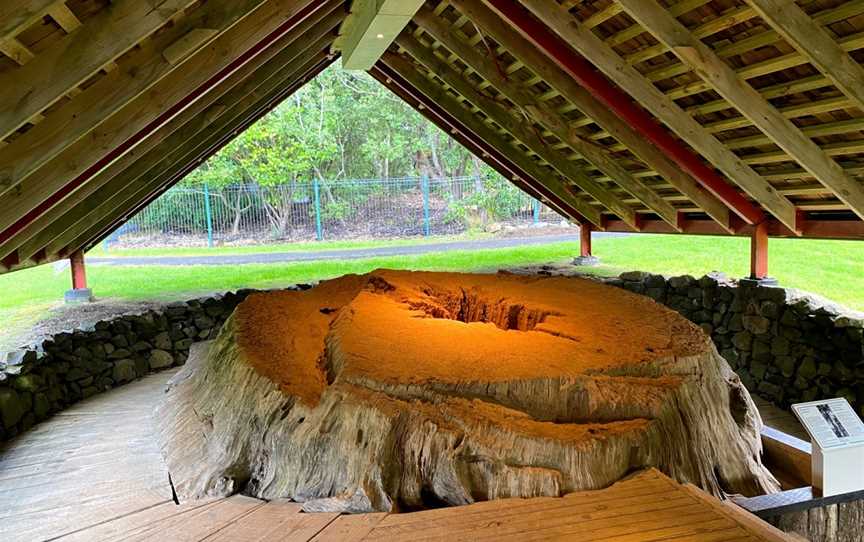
[[107, 35], [813, 42], [278, 73], [662, 107], [229, 91], [518, 128], [747, 100], [101, 230], [370, 28], [538, 110], [18, 15], [538, 63], [74, 120], [759, 252], [482, 130], [140, 118], [15, 50], [434, 113], [178, 161], [63, 16]]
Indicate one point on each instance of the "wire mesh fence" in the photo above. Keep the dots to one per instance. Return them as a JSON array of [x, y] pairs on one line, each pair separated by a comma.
[[343, 209]]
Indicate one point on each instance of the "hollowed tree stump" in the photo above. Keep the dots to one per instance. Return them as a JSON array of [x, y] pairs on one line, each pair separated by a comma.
[[399, 390]]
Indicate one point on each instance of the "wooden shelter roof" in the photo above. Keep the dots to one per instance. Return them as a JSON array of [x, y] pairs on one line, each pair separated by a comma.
[[698, 116]]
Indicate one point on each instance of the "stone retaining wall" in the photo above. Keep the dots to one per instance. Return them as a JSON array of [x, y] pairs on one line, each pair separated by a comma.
[[788, 346], [36, 382]]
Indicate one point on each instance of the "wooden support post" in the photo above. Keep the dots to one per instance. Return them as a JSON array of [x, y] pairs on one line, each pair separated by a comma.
[[79, 276], [759, 253], [585, 255], [79, 292], [585, 240]]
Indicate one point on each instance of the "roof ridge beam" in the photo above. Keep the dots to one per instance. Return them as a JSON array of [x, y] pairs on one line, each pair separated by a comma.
[[370, 28], [747, 100], [542, 113]]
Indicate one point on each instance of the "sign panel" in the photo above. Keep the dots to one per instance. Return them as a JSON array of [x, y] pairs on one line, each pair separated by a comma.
[[831, 423]]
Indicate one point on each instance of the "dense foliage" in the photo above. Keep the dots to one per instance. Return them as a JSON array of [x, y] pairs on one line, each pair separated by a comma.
[[344, 125]]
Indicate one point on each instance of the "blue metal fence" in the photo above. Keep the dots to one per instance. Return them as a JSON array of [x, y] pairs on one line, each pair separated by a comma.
[[343, 209]]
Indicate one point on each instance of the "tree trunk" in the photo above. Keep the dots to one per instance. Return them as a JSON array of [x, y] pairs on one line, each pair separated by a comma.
[[501, 386]]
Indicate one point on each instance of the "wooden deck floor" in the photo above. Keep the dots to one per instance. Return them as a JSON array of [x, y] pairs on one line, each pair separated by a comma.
[[94, 473]]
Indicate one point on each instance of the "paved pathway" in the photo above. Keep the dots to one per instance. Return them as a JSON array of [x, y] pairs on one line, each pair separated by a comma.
[[346, 254]]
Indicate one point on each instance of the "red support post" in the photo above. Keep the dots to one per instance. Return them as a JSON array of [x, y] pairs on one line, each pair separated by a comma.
[[585, 240], [79, 276], [585, 255], [759, 252]]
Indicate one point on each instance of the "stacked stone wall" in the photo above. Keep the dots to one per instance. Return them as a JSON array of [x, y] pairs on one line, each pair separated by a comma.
[[40, 380], [788, 346]]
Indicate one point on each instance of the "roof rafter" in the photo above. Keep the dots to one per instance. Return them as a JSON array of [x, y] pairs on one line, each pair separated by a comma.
[[813, 42], [606, 119], [78, 118], [38, 84], [540, 113], [662, 107], [142, 116], [179, 161], [281, 70], [747, 100], [283, 51], [486, 132], [520, 130], [434, 113]]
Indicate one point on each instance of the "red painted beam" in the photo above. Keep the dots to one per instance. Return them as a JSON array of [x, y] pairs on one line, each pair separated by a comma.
[[79, 276], [583, 72], [441, 118], [56, 197], [759, 251]]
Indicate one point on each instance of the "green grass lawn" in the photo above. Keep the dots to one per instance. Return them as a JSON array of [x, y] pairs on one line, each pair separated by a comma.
[[834, 269], [310, 246]]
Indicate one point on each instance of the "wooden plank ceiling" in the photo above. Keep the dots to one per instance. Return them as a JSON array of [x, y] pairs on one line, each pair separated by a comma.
[[695, 116]]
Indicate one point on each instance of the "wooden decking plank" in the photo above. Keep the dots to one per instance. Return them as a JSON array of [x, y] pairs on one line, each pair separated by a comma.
[[200, 524], [457, 523], [622, 529], [272, 518], [649, 486], [700, 529], [308, 526], [350, 528], [133, 521]]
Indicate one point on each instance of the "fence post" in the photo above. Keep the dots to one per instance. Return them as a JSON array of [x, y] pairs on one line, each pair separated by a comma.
[[427, 226], [208, 212], [536, 210], [319, 234]]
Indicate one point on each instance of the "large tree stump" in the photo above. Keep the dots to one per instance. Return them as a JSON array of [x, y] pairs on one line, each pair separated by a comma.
[[400, 390]]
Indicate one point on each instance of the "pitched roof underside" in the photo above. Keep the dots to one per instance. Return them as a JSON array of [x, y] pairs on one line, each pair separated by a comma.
[[745, 110]]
